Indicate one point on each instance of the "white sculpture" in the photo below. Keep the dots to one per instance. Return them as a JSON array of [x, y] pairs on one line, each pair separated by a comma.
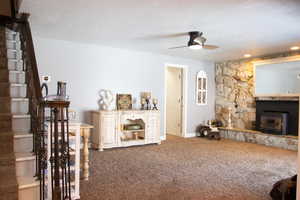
[[106, 99]]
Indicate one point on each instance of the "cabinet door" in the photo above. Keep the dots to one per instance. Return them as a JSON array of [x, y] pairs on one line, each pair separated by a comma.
[[153, 132], [108, 130]]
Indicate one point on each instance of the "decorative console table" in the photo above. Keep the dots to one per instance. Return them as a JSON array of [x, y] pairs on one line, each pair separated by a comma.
[[125, 128]]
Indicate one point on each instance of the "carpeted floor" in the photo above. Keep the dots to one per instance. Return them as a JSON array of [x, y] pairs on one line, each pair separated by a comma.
[[187, 169]]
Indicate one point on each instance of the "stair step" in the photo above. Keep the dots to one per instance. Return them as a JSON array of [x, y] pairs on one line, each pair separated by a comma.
[[13, 90], [21, 123], [12, 76], [14, 64], [12, 36], [9, 31], [13, 45], [11, 54], [11, 64], [23, 142], [28, 188], [14, 105], [25, 164], [27, 182]]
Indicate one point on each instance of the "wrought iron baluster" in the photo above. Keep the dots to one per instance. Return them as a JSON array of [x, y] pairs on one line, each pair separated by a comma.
[[57, 188], [63, 159], [68, 152]]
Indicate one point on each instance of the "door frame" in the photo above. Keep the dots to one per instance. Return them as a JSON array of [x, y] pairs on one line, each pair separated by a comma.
[[184, 99]]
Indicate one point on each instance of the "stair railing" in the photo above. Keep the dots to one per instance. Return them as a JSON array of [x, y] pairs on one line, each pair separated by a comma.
[[59, 149], [52, 156], [34, 94]]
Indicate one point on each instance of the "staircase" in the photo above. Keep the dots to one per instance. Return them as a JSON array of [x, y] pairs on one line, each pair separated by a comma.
[[16, 139]]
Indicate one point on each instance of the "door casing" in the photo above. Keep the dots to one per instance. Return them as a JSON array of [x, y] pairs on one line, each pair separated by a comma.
[[184, 99]]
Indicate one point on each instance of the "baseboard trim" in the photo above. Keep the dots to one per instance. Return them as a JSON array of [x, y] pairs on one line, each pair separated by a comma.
[[163, 137], [190, 135]]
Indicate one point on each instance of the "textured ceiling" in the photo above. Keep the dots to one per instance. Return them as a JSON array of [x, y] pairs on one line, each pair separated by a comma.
[[257, 27]]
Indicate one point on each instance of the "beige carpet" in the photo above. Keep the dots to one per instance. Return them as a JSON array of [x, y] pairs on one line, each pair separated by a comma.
[[187, 169]]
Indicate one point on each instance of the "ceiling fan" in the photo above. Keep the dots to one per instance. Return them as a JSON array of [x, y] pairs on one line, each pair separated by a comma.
[[197, 41]]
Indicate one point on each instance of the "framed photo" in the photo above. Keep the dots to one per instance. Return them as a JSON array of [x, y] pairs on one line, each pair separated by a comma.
[[124, 101]]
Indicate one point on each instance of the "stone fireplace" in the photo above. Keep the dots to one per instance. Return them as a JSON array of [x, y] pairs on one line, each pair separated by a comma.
[[235, 91]]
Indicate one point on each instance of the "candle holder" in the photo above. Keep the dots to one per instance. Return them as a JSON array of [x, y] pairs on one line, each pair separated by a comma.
[[148, 107], [154, 101], [229, 125], [143, 102]]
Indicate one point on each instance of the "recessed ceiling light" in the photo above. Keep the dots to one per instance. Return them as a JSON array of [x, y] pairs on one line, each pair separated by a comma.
[[247, 55], [295, 48]]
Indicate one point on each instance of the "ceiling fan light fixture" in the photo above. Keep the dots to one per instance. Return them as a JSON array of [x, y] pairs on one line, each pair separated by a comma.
[[247, 55], [195, 47]]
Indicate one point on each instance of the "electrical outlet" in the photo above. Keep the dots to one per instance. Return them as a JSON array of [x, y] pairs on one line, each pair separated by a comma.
[[46, 79]]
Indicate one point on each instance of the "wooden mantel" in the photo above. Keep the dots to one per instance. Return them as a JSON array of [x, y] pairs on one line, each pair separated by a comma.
[[278, 95]]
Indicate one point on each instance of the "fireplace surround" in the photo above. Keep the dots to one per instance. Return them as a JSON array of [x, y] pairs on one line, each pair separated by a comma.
[[277, 116]]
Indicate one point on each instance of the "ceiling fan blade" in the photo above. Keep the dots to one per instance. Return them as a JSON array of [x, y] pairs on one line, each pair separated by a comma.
[[210, 47], [164, 36], [178, 47]]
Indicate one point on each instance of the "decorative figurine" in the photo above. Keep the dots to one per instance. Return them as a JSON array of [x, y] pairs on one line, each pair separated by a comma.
[[155, 102], [106, 99], [148, 98]]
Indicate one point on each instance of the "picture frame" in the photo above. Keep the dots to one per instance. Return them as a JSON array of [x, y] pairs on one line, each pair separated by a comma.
[[124, 102]]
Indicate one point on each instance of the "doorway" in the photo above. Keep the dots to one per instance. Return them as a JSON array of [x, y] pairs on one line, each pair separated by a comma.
[[175, 97]]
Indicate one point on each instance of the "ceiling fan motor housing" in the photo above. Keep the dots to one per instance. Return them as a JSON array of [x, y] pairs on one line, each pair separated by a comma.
[[196, 38]]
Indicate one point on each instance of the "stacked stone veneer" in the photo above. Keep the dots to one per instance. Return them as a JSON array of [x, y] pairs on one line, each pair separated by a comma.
[[235, 90], [284, 142]]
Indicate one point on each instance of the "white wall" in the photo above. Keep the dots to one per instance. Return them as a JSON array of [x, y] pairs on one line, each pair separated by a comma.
[[89, 68]]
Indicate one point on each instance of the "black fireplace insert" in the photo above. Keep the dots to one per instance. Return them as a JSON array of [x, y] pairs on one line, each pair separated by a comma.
[[274, 122], [277, 117]]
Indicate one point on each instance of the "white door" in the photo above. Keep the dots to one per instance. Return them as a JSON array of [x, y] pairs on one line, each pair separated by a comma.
[[174, 101]]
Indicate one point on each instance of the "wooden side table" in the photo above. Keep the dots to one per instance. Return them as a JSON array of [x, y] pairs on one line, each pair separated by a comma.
[[85, 132]]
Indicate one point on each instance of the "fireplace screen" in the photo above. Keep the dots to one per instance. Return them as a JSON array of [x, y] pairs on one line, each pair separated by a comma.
[[274, 122]]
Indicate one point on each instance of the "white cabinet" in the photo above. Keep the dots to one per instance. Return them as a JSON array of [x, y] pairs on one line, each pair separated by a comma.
[[125, 128], [108, 125], [153, 128]]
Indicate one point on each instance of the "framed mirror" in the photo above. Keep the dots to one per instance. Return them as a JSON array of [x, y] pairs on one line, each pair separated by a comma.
[[201, 88], [277, 78]]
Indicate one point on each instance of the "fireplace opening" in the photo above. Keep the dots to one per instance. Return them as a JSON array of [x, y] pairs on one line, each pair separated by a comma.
[[274, 122]]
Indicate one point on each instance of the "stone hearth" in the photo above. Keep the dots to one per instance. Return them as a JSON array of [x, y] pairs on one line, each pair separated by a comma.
[[242, 135]]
